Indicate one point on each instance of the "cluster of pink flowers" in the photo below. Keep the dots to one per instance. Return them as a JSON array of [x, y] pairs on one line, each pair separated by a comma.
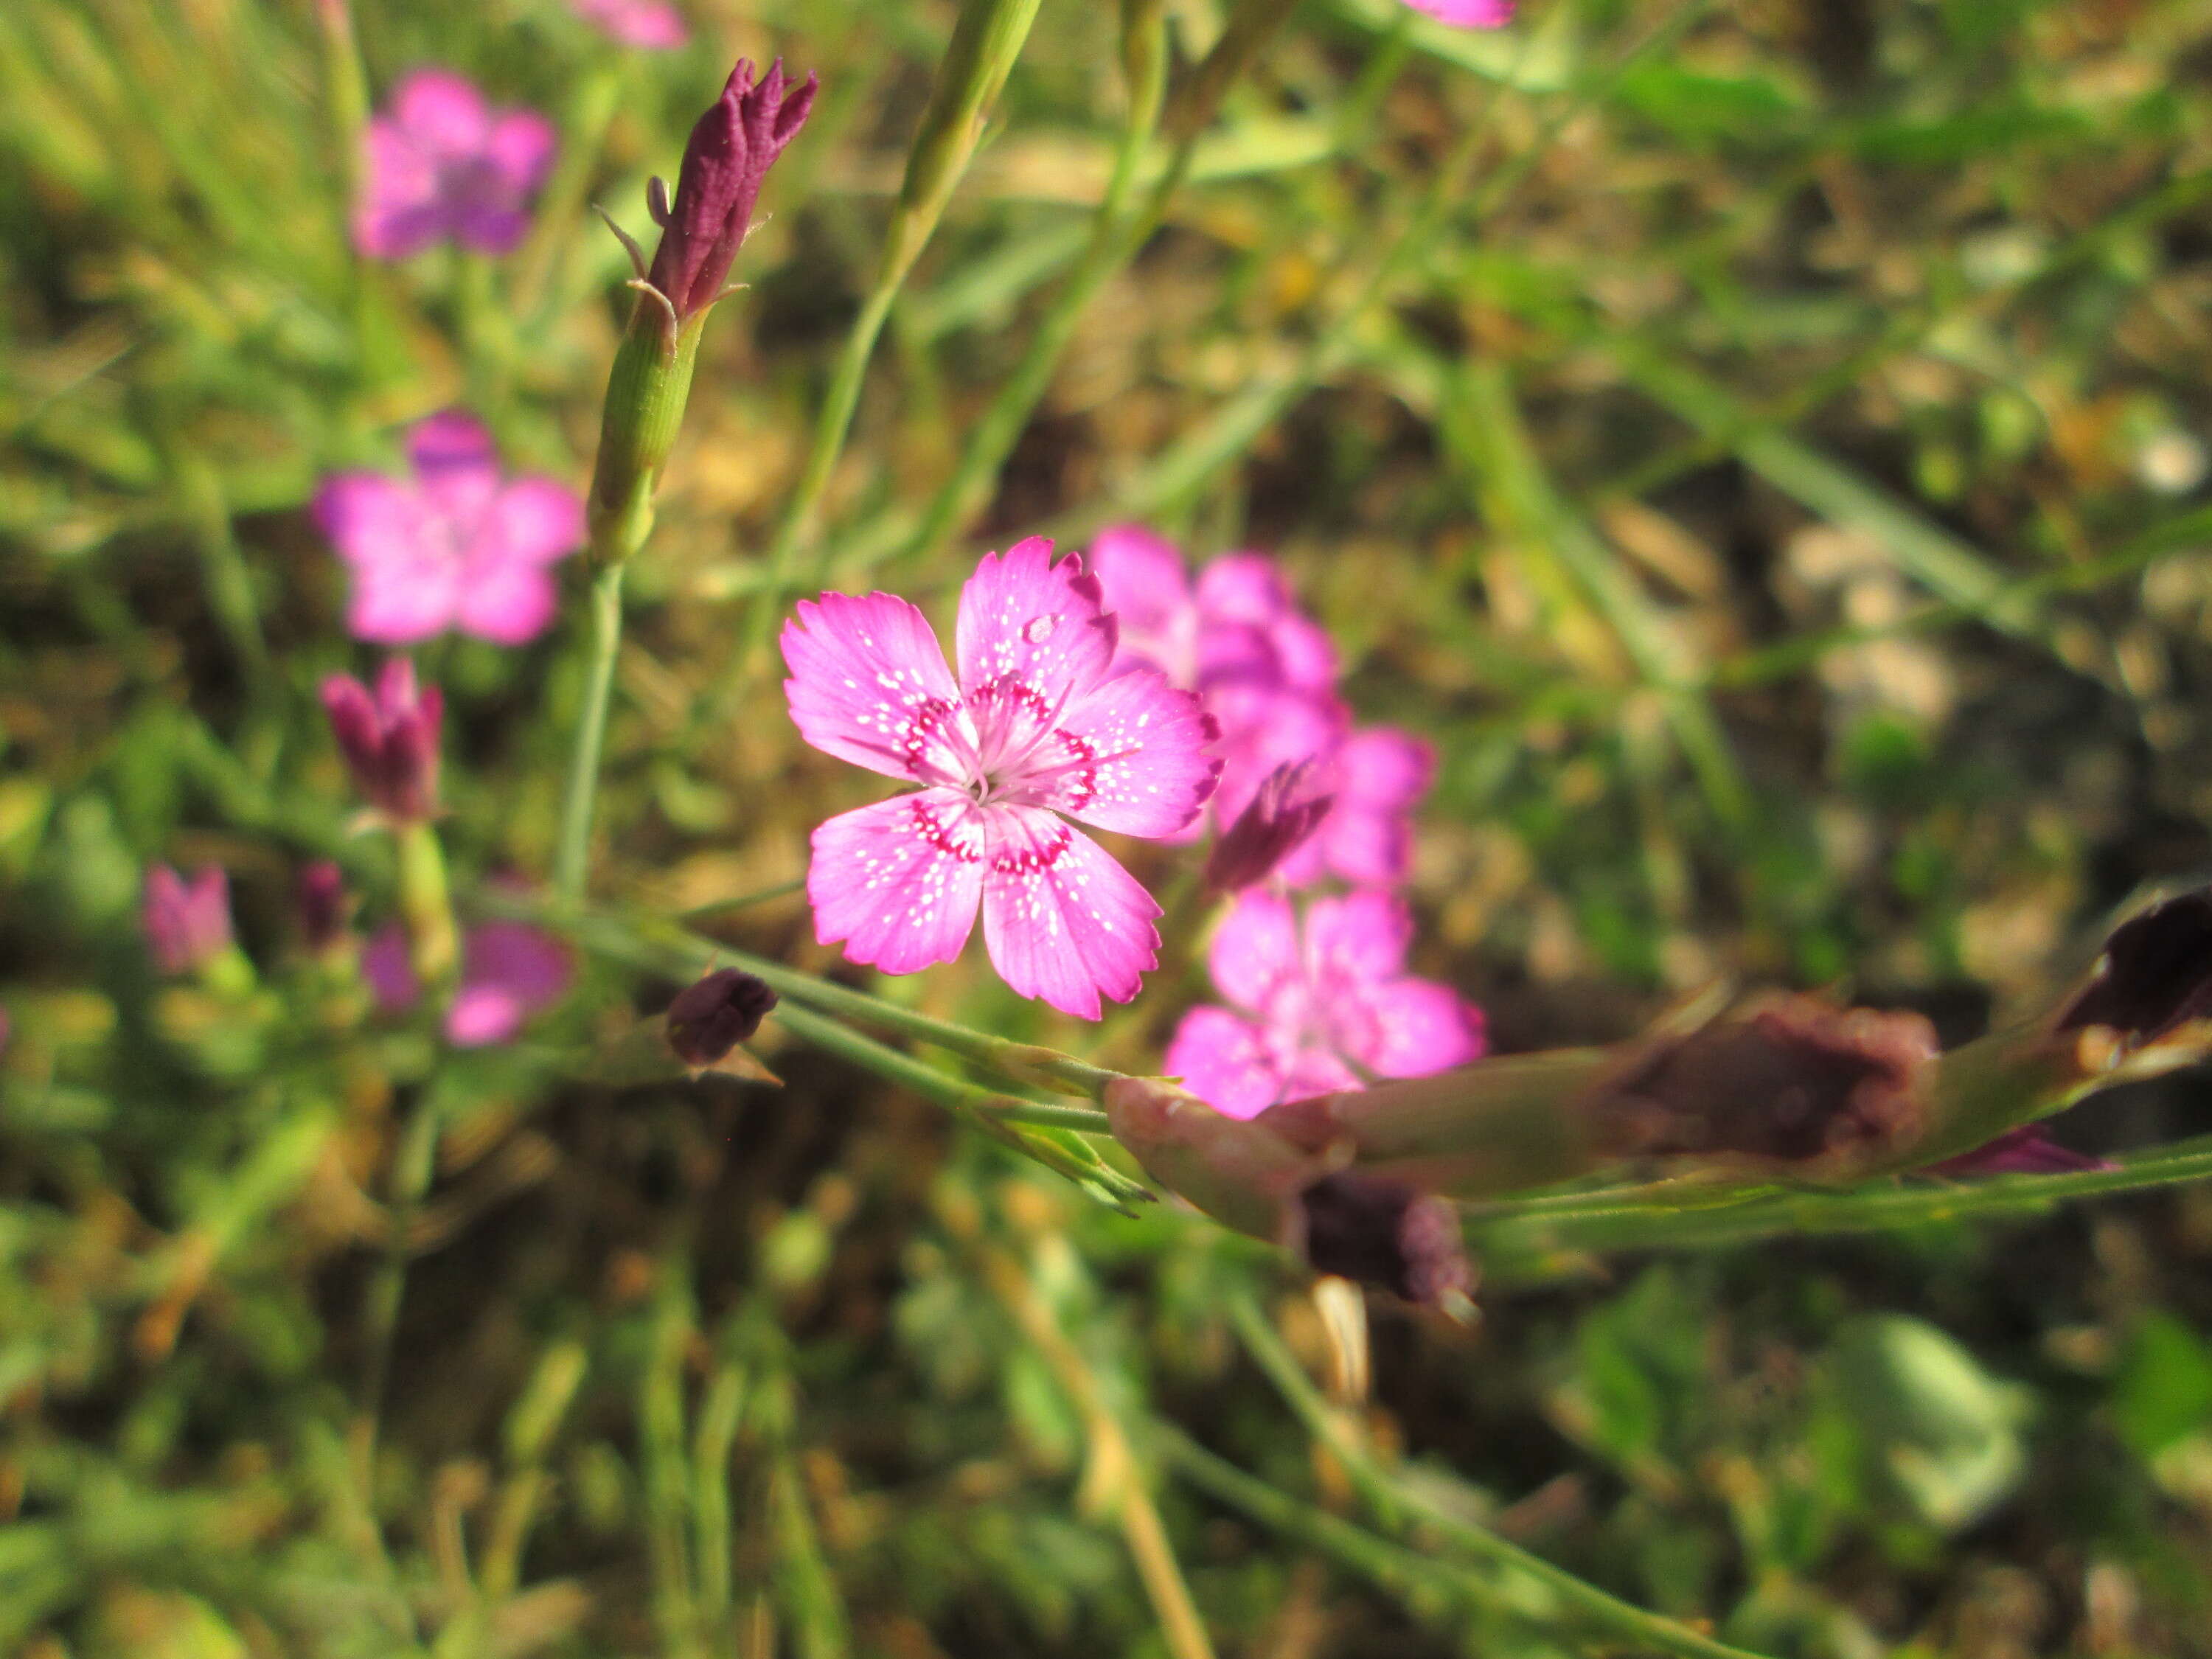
[[1318, 1002]]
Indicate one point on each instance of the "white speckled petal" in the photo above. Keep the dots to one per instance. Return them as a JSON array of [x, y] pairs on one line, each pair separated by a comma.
[[869, 685], [1063, 921], [897, 883]]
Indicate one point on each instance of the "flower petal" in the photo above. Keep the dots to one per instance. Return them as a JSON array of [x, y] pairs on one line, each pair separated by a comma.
[[456, 465], [509, 970], [400, 212], [1146, 588], [520, 149], [1355, 941], [532, 521], [1384, 768], [390, 975], [507, 604], [897, 883], [1358, 843], [1467, 14], [1063, 921], [1264, 728], [442, 112], [1223, 1059], [405, 581], [1250, 589], [1255, 949], [1410, 1028], [1132, 755], [869, 685], [1042, 625]]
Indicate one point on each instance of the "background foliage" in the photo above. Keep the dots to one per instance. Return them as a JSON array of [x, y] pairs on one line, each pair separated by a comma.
[[1777, 485]]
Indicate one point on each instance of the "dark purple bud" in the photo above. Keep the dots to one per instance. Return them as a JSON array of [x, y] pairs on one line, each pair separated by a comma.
[[322, 904], [2027, 1149], [187, 924], [1384, 1232], [1267, 832], [389, 740], [730, 152], [2154, 974], [713, 1017]]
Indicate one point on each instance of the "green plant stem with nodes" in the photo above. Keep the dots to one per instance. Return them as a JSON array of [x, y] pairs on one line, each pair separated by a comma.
[[1399, 1508], [985, 41]]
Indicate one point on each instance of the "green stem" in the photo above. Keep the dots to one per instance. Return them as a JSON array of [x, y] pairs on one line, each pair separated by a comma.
[[1399, 1508], [572, 861], [426, 907], [412, 1166]]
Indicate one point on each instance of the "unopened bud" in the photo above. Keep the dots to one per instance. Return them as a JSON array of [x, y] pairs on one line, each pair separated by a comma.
[[390, 739], [321, 901], [712, 1017], [1274, 825], [726, 160]]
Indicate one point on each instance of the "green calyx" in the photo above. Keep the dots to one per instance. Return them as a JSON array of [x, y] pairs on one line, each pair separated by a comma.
[[646, 391]]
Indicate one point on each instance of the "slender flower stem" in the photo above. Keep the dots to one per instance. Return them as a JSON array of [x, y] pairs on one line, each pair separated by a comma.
[[426, 908], [1399, 1508], [573, 860], [412, 1166]]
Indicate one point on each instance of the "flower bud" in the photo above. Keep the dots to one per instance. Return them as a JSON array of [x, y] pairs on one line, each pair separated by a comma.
[[730, 148], [730, 151], [187, 924], [389, 740], [1384, 1233], [712, 1017], [321, 902], [1274, 825]]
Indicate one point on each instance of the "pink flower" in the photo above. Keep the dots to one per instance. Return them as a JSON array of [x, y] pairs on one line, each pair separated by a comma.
[[1318, 1009], [1282, 817], [509, 971], [1467, 14], [454, 546], [443, 164], [1239, 624], [186, 923], [647, 23], [1036, 723], [389, 738]]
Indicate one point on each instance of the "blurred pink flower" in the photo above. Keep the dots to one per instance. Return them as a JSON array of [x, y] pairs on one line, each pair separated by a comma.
[[1467, 14], [651, 24], [455, 546], [1036, 723], [389, 738], [1282, 817], [442, 164], [509, 971], [186, 923], [1316, 1008]]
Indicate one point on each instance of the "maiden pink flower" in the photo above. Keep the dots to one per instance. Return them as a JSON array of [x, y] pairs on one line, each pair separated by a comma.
[[1036, 723], [455, 546], [186, 923], [444, 164], [1317, 1008], [651, 24], [1467, 14], [509, 971]]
